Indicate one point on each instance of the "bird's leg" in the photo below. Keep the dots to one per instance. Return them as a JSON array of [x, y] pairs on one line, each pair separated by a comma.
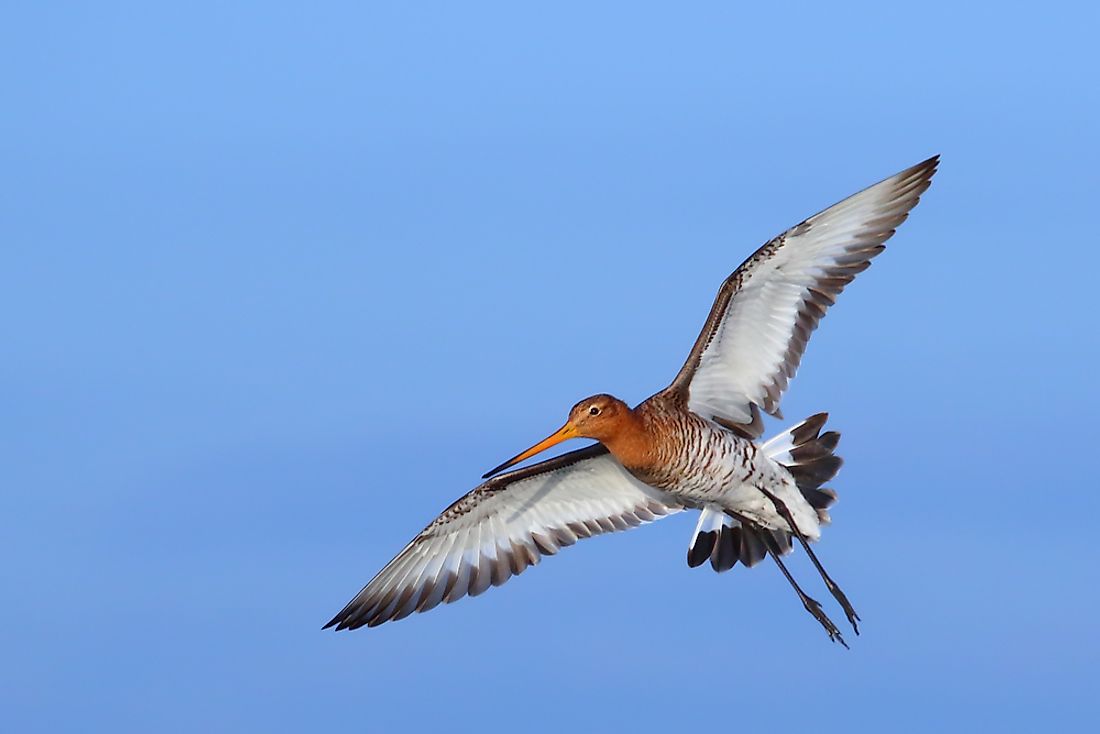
[[831, 585], [812, 605]]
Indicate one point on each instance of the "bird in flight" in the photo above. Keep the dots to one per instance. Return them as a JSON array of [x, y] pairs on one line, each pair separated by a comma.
[[696, 445]]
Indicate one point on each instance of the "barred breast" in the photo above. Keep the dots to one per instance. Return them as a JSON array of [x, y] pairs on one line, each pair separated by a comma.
[[704, 464]]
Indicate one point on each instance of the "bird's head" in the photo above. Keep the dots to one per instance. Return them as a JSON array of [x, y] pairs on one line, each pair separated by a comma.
[[599, 417]]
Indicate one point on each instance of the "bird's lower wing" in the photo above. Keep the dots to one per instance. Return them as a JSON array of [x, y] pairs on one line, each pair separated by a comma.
[[503, 526]]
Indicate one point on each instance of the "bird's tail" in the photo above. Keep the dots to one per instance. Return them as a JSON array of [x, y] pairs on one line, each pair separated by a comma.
[[809, 455]]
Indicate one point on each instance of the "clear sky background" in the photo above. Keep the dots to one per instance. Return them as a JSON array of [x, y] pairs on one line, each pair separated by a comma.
[[280, 282]]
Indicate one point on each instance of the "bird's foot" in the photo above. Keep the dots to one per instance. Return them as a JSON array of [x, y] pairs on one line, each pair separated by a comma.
[[814, 608]]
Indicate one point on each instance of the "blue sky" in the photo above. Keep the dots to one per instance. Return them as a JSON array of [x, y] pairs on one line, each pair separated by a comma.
[[280, 282]]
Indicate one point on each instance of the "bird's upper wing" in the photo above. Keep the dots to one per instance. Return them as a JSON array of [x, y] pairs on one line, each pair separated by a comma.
[[503, 526], [762, 317]]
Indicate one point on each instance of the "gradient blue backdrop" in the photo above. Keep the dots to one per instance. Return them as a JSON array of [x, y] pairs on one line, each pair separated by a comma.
[[280, 282]]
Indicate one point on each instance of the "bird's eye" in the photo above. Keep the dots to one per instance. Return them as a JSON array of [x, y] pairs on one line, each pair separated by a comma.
[[593, 410]]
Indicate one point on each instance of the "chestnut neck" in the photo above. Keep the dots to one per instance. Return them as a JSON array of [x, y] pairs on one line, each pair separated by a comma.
[[631, 441]]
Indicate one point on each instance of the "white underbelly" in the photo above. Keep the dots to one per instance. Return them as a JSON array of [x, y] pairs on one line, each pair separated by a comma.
[[732, 473]]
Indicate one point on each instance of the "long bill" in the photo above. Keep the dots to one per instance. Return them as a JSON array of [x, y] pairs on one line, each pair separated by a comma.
[[564, 433]]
